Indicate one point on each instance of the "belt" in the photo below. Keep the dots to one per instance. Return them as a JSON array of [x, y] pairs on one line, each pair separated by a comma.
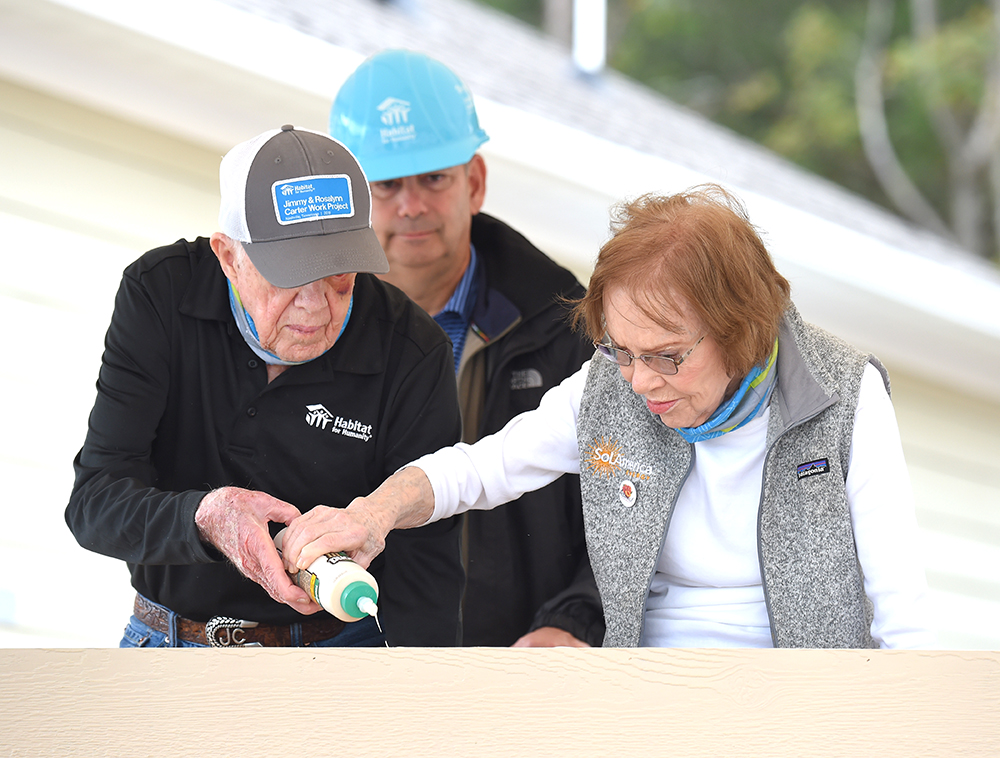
[[225, 631]]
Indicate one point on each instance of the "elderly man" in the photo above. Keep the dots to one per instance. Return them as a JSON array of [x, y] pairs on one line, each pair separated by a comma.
[[249, 377], [413, 126]]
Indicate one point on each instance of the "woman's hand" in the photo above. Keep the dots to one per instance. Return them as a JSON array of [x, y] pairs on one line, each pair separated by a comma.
[[403, 501], [549, 636]]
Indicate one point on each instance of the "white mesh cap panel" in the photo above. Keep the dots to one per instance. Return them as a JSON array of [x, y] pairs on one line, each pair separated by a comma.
[[233, 172]]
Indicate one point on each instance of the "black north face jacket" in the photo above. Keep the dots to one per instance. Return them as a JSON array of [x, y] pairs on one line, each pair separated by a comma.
[[526, 562]]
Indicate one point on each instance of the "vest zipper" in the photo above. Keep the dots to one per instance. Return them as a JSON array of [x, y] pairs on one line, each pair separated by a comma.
[[760, 508], [663, 541]]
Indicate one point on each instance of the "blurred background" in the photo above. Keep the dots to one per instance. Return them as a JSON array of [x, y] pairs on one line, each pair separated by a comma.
[[862, 135], [895, 100]]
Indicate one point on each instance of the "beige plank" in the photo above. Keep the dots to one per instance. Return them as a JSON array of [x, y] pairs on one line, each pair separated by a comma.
[[499, 702]]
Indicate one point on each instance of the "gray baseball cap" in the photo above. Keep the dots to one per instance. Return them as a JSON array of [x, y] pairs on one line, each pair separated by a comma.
[[300, 204]]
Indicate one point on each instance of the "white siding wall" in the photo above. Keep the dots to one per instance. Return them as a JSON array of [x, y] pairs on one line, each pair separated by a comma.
[[951, 442], [81, 195]]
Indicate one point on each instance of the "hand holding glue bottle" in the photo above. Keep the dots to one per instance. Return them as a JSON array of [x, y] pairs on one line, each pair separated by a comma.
[[337, 583]]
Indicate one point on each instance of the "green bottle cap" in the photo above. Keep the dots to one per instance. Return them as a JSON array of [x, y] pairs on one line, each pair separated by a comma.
[[353, 593]]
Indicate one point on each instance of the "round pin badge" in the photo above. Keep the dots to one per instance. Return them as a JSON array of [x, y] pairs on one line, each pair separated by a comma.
[[626, 492]]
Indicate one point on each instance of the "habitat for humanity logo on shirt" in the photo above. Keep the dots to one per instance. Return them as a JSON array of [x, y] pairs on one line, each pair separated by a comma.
[[318, 416]]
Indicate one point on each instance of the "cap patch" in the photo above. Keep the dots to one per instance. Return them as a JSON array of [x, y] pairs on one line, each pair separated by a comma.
[[309, 198]]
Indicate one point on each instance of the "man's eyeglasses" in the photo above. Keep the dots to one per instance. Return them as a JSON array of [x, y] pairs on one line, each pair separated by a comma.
[[662, 364]]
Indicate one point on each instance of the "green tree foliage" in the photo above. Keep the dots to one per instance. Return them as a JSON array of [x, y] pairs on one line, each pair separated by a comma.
[[788, 74], [949, 67]]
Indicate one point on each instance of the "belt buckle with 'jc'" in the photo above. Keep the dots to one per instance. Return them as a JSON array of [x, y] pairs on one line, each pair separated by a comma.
[[226, 631]]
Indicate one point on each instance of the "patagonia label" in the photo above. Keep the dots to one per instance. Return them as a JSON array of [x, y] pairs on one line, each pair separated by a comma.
[[309, 198], [813, 468]]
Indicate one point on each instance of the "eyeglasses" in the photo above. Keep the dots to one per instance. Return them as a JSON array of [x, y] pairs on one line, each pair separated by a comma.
[[661, 364]]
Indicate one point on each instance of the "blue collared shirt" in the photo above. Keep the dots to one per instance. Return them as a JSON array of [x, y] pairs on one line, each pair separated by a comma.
[[454, 318]]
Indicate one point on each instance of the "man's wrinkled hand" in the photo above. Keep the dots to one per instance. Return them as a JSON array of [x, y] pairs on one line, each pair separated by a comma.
[[235, 521]]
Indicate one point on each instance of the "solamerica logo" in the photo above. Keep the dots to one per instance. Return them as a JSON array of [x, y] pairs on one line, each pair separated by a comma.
[[603, 458], [319, 417]]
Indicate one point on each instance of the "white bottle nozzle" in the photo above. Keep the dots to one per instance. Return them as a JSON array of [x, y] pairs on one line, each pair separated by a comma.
[[367, 605]]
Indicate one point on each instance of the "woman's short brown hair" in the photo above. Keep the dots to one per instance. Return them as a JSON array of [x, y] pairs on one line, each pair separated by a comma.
[[696, 249]]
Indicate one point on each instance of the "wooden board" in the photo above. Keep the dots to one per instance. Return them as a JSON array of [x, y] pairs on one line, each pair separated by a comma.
[[493, 702]]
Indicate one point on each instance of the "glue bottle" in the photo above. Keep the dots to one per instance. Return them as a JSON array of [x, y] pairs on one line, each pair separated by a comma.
[[337, 583]]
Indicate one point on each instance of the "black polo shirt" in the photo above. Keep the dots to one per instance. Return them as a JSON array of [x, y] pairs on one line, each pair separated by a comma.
[[183, 406]]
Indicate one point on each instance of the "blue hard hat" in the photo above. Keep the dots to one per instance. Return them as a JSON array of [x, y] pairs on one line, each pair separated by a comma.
[[402, 113]]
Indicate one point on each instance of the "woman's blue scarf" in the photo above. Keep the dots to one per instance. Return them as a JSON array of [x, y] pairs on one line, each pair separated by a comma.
[[249, 331], [748, 402]]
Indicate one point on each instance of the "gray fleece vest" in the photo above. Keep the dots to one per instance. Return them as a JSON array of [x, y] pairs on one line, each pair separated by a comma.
[[632, 468]]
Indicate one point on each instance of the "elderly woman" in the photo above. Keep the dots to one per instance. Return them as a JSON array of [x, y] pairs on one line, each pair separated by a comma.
[[743, 482]]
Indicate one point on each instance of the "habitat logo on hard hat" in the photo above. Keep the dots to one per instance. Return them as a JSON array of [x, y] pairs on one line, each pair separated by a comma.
[[395, 114], [394, 111]]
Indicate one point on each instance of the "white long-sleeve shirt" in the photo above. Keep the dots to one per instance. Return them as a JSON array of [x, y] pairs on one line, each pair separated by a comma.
[[706, 591]]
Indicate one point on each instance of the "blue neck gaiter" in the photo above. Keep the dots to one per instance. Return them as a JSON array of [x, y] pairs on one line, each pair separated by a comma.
[[249, 331], [748, 402]]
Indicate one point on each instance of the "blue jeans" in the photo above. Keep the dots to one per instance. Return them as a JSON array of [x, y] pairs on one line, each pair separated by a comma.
[[363, 633]]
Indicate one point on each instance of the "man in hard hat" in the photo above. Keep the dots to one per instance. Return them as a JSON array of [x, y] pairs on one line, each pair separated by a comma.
[[413, 126], [248, 377]]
